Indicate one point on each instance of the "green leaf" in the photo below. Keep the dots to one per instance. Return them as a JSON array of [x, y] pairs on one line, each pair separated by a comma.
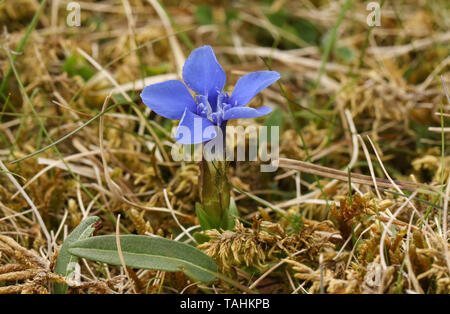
[[148, 253], [296, 223], [274, 119], [203, 218], [278, 18], [204, 15], [301, 28], [201, 237], [65, 263], [77, 65], [306, 30], [161, 68], [230, 15], [230, 216], [345, 54]]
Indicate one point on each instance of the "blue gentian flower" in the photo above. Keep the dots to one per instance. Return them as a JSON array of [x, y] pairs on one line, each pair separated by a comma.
[[211, 106]]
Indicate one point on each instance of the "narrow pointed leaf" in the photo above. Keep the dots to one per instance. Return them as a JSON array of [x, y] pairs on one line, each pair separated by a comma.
[[202, 216], [200, 237], [230, 215], [65, 263], [148, 253]]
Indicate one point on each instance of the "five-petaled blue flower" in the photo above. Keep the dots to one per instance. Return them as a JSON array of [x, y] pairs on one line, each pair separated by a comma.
[[211, 106]]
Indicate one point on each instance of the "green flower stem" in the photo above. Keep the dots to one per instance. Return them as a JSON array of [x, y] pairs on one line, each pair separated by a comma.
[[215, 189]]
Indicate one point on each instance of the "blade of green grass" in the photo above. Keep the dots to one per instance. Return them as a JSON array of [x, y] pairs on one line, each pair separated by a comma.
[[22, 43], [65, 137], [366, 40], [65, 263], [332, 40], [53, 145], [299, 132]]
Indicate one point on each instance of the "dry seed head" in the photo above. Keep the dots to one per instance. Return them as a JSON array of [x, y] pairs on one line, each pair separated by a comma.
[[255, 247], [75, 214], [139, 222]]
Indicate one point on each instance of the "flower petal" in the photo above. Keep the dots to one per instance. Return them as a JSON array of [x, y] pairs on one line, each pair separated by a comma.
[[194, 129], [168, 99], [203, 74], [251, 84], [246, 112]]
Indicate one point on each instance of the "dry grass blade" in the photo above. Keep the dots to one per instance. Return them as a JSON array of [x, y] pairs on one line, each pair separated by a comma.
[[175, 45], [119, 251], [30, 202], [114, 188], [355, 177]]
